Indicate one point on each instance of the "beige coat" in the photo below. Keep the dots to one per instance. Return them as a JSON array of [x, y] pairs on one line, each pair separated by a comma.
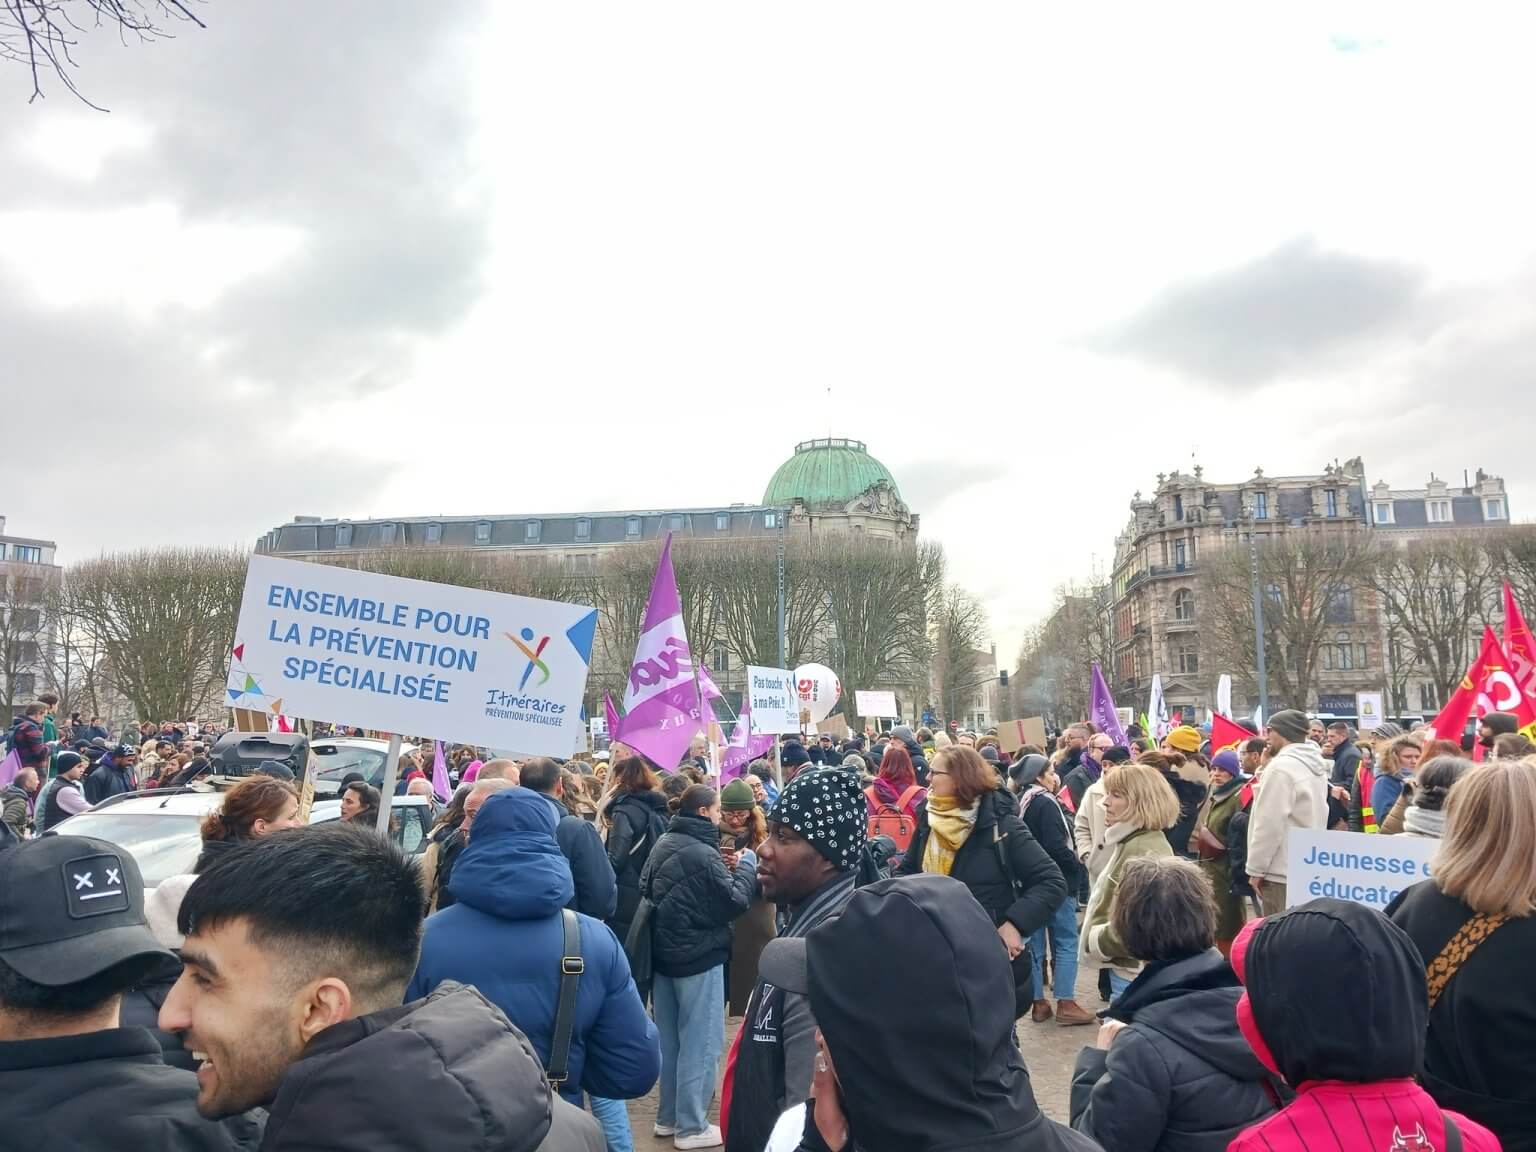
[[1292, 793], [1088, 830]]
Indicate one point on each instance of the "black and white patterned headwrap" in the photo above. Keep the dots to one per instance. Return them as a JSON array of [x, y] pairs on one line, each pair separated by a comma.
[[829, 810]]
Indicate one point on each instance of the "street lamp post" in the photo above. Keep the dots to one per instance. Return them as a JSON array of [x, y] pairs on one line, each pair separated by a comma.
[[1258, 620]]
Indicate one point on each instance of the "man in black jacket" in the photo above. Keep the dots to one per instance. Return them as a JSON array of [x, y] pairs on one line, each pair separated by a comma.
[[597, 894], [298, 950], [72, 940], [1346, 757], [113, 774], [809, 864], [872, 1092]]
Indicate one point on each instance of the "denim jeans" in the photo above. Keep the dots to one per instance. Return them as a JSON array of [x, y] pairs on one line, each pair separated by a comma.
[[690, 1015], [1117, 985], [614, 1118], [1063, 931]]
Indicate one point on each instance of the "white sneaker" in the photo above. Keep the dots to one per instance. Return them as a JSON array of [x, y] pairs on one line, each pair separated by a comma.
[[663, 1130], [709, 1138]]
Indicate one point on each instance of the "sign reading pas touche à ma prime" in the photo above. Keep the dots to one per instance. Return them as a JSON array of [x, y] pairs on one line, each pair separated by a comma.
[[396, 655]]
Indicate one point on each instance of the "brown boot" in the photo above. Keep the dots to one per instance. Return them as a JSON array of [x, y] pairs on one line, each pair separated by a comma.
[[1070, 1012], [1041, 1011]]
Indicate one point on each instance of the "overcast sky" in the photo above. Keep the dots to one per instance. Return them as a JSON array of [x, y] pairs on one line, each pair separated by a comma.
[[342, 259]]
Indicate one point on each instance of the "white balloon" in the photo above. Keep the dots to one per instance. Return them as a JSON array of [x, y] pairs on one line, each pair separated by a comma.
[[818, 688]]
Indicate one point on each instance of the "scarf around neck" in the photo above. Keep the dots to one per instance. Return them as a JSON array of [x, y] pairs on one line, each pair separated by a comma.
[[1424, 822], [949, 826]]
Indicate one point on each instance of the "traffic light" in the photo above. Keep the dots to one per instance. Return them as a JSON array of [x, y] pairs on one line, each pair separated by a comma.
[[1002, 677]]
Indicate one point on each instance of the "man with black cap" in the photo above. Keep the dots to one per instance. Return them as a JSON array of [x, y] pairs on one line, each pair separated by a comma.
[[1494, 725], [809, 865], [1292, 793], [113, 774], [61, 797], [72, 940], [874, 1090]]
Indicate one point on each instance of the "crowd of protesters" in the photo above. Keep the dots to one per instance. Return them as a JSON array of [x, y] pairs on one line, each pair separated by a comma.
[[574, 936]]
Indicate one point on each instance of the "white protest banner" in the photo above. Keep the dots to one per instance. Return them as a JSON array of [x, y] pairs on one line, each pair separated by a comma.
[[395, 655], [878, 705], [775, 703], [1368, 710], [1353, 866]]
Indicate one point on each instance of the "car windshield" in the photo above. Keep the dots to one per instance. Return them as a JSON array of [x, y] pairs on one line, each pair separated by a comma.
[[163, 844], [335, 761]]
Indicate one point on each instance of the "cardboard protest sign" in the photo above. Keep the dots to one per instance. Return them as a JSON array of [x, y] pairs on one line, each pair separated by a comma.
[[395, 655], [1014, 734], [881, 705], [1354, 866]]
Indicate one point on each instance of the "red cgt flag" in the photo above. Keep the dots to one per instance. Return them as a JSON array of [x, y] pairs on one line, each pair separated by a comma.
[[1519, 644], [1225, 734], [1488, 686]]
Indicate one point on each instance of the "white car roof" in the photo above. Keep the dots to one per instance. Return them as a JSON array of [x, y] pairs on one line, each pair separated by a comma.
[[186, 803]]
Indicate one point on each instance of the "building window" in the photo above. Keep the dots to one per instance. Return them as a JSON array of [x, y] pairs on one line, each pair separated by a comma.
[[581, 562], [675, 524], [27, 554], [24, 684], [1261, 505], [531, 530], [1440, 511], [386, 534], [1183, 604], [721, 660], [1178, 507], [583, 529], [1428, 702], [434, 533], [770, 519], [1383, 513], [1331, 502], [2, 551], [482, 532], [1179, 555], [632, 527], [1495, 510], [722, 521], [1186, 658], [1274, 595], [1341, 607], [1362, 656]]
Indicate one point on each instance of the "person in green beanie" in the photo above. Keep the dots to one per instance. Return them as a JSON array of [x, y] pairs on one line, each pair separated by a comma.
[[743, 825]]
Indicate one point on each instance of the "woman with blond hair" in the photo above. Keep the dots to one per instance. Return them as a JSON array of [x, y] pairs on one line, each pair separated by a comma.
[[1474, 924], [1139, 806]]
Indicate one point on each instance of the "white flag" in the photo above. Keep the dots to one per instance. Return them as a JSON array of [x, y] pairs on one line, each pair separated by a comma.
[[1157, 710], [1224, 696]]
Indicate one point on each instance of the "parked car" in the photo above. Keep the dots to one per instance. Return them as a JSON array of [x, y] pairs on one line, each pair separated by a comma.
[[335, 758], [159, 829]]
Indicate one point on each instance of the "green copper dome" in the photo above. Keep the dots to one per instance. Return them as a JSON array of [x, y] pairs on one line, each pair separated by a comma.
[[826, 471]]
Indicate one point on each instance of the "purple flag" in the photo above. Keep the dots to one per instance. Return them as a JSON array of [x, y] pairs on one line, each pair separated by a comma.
[[1101, 709], [661, 703], [611, 714], [743, 747], [440, 785]]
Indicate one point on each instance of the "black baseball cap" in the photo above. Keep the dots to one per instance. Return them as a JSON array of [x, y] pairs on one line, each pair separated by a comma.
[[71, 907]]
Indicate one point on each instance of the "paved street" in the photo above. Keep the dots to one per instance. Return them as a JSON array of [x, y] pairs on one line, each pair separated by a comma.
[[1049, 1050]]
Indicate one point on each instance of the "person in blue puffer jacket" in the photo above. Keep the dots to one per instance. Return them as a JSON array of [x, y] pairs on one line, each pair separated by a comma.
[[505, 936]]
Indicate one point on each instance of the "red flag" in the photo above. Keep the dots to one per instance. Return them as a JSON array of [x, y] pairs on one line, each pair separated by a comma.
[[1225, 734], [1519, 644], [1488, 686]]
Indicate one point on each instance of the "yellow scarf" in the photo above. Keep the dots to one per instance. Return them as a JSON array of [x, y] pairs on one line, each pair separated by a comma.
[[948, 827]]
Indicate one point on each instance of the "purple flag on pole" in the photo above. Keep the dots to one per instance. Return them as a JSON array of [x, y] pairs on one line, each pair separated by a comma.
[[611, 714], [743, 747], [1101, 710], [440, 784], [661, 703]]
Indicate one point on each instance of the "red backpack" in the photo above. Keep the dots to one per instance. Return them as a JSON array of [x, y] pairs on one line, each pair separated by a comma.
[[897, 822]]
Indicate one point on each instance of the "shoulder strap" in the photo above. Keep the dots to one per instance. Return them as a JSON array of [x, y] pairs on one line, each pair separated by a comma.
[[998, 836], [1452, 1133], [1457, 950], [571, 968], [907, 795]]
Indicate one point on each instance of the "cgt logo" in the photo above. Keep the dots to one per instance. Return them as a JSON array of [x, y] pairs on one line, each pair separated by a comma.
[[534, 650]]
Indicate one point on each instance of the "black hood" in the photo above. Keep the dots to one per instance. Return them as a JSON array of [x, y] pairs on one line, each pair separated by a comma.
[[1193, 1002], [649, 799], [938, 1070], [1336, 991], [1188, 791], [445, 1072]]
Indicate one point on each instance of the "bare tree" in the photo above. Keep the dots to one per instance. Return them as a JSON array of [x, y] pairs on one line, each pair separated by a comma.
[[1435, 593], [1512, 557], [42, 35], [747, 579], [24, 626], [1052, 680], [958, 631], [1301, 574], [164, 619], [877, 597]]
